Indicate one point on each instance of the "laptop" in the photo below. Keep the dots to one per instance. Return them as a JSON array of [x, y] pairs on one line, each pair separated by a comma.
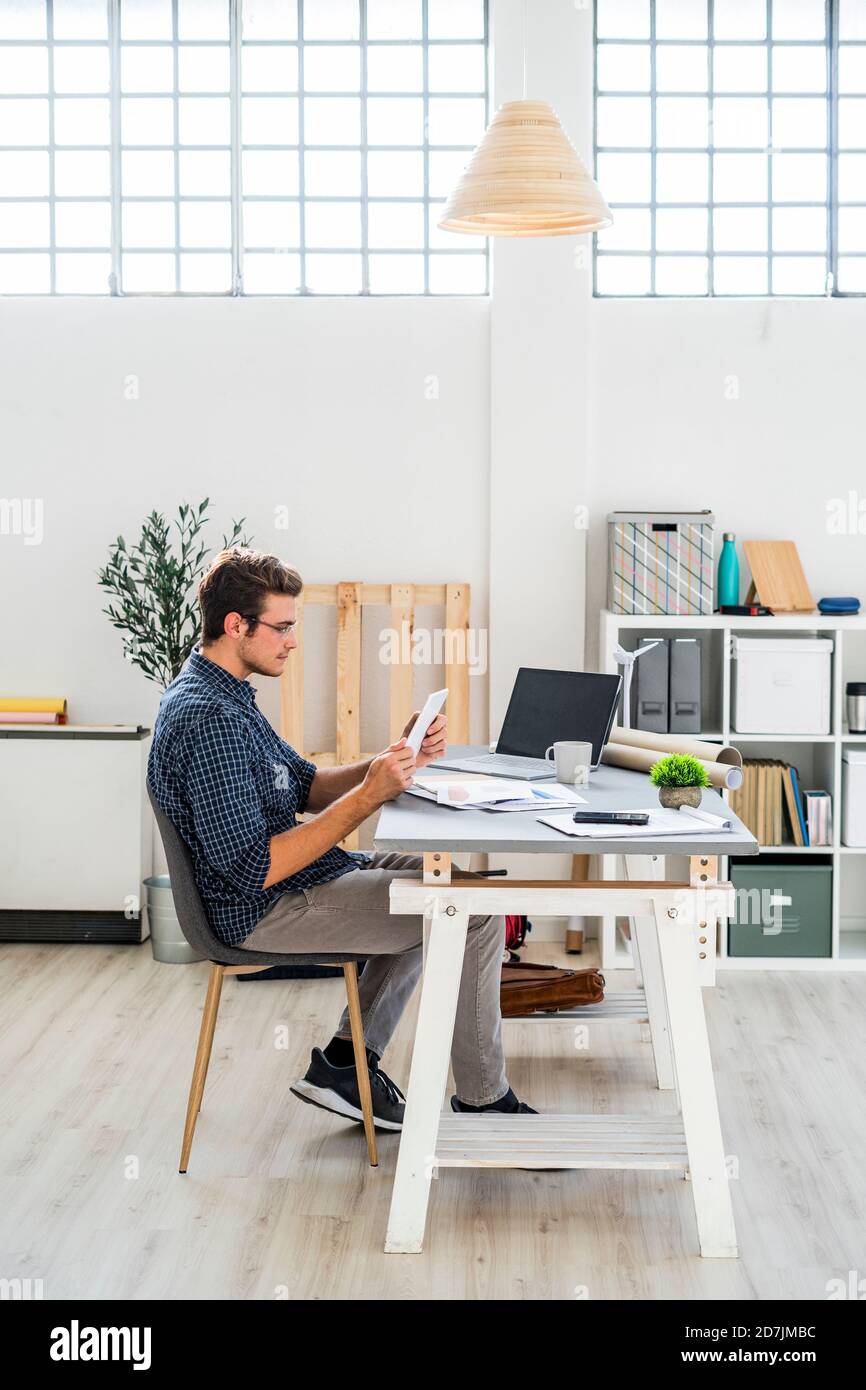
[[547, 707]]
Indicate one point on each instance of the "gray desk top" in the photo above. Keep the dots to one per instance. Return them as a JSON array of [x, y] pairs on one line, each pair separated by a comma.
[[413, 826]]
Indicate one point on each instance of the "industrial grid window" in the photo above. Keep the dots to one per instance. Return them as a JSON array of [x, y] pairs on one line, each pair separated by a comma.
[[730, 143], [273, 147]]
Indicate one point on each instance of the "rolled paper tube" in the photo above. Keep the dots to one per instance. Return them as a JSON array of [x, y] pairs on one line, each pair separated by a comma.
[[722, 775], [35, 703], [677, 743]]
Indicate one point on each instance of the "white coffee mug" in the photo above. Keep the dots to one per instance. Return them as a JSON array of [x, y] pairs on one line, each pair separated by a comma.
[[573, 762]]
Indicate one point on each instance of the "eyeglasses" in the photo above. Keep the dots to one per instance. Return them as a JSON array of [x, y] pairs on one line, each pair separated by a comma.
[[281, 628]]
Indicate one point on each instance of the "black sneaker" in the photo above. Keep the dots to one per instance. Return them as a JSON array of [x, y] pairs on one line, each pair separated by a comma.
[[336, 1089], [506, 1105]]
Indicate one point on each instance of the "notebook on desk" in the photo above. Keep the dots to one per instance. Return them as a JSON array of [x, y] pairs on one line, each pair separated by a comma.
[[547, 707]]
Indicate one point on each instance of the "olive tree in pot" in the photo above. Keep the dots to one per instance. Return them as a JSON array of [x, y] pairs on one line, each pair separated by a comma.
[[680, 779], [151, 588]]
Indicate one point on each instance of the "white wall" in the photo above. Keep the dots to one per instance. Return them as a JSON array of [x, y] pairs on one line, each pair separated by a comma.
[[326, 407]]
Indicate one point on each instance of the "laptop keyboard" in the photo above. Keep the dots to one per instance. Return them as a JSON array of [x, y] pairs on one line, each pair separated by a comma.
[[501, 762]]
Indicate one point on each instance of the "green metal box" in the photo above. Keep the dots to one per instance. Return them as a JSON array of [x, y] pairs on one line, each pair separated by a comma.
[[781, 909]]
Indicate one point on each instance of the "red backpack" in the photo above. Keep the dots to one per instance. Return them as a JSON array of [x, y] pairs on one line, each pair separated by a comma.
[[516, 929]]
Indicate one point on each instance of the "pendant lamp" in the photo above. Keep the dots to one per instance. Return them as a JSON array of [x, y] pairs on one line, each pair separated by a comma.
[[526, 178]]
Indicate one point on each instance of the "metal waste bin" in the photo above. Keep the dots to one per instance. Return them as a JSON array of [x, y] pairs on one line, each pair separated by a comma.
[[167, 941]]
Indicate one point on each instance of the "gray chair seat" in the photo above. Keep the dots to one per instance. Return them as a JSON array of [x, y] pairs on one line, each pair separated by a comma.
[[193, 918], [233, 960]]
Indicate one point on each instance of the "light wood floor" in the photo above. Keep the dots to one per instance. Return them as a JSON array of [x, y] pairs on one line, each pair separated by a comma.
[[97, 1048]]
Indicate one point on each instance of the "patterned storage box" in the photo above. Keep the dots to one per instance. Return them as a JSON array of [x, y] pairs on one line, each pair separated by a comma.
[[660, 562]]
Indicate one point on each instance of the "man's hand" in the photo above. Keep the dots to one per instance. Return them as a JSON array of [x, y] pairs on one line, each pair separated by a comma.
[[390, 773], [435, 740]]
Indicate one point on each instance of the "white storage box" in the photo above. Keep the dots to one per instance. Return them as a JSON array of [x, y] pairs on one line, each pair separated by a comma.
[[781, 685], [854, 796]]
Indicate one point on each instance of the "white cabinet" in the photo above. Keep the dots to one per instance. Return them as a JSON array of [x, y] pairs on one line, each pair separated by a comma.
[[76, 832]]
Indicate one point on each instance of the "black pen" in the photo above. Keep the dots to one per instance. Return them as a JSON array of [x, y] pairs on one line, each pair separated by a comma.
[[611, 817]]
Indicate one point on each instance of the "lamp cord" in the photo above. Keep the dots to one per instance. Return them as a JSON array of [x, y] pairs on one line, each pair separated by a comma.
[[524, 50]]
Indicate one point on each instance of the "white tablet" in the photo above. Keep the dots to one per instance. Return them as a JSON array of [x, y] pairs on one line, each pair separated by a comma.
[[419, 729]]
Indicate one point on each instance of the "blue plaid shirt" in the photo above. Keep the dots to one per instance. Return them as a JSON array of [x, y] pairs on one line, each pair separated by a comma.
[[226, 779]]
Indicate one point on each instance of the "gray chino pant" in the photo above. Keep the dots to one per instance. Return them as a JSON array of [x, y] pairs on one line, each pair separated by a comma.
[[351, 913]]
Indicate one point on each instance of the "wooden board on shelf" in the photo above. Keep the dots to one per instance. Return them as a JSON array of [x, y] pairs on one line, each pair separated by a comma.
[[778, 580]]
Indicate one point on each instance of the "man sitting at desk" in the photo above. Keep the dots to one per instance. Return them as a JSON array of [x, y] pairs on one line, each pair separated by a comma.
[[233, 789]]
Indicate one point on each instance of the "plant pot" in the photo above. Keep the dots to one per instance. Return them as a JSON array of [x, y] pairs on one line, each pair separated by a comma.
[[674, 797], [167, 941]]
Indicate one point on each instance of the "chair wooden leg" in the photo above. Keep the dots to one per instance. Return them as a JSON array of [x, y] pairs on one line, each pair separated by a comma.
[[350, 971], [227, 970], [202, 1058], [207, 1056]]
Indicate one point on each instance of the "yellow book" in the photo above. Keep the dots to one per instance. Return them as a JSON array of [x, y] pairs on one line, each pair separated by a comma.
[[769, 803], [761, 817], [777, 802], [747, 795], [743, 803], [748, 816], [772, 782]]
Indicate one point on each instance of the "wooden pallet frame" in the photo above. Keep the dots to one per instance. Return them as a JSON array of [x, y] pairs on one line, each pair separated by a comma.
[[350, 598]]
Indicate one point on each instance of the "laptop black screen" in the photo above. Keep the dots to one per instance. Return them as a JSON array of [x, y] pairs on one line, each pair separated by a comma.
[[550, 706]]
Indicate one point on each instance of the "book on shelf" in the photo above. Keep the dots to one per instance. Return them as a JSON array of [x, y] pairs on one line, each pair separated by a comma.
[[798, 798], [777, 810], [819, 816], [792, 806]]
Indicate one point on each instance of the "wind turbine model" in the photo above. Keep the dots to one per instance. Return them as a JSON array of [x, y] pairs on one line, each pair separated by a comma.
[[627, 661]]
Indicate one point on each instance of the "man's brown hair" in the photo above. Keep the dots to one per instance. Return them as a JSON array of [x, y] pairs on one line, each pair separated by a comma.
[[239, 581]]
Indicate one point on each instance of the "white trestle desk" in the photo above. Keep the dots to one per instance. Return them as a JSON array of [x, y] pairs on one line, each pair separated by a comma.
[[674, 940]]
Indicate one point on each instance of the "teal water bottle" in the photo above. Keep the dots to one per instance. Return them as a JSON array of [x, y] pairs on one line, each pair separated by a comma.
[[729, 572]]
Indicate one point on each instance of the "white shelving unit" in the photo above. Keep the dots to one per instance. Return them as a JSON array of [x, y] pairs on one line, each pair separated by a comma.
[[818, 757]]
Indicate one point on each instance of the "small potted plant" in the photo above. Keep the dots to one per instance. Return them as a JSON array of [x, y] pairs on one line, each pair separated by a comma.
[[680, 779]]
